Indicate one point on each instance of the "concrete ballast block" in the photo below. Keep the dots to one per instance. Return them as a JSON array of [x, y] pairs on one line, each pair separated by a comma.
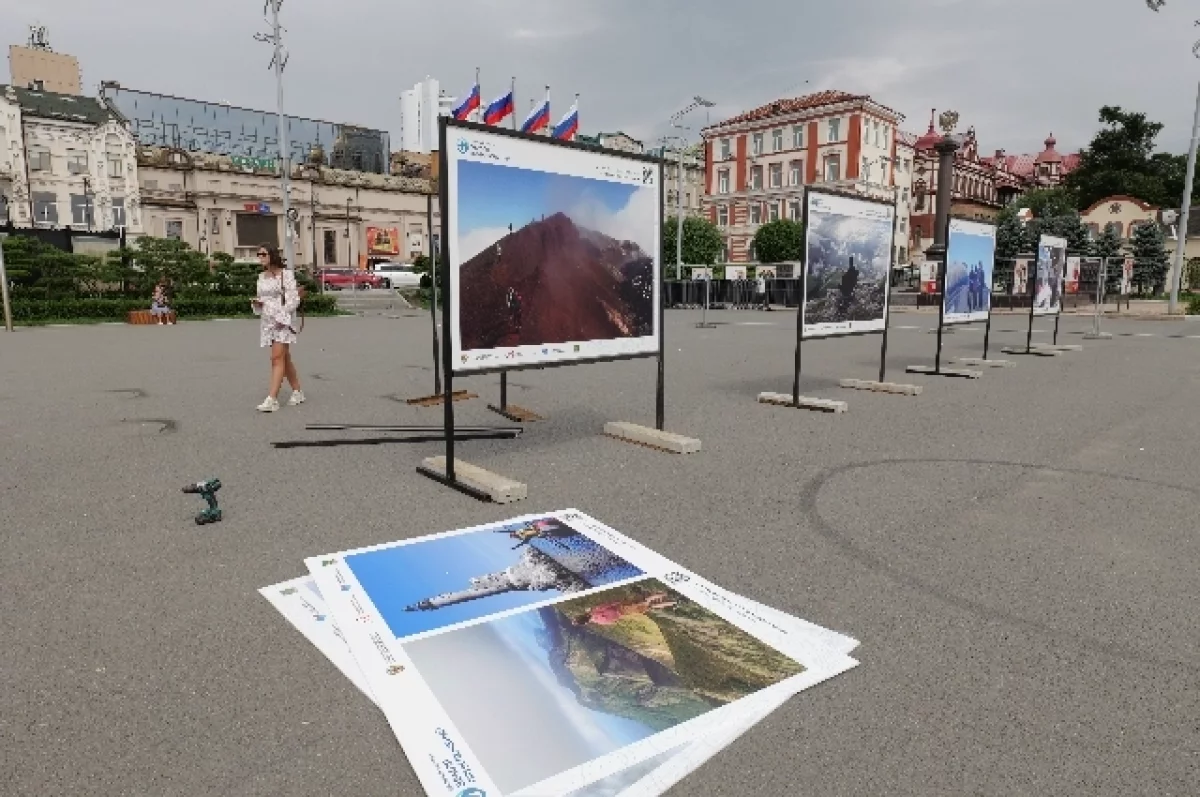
[[882, 387], [979, 361], [501, 489], [654, 438], [963, 373], [1034, 351], [805, 402], [1060, 347]]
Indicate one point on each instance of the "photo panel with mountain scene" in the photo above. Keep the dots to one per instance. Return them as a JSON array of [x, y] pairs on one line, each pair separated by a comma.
[[848, 259], [588, 676], [423, 585], [553, 252]]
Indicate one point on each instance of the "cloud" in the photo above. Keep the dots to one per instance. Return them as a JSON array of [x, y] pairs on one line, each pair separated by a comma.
[[633, 222], [473, 242]]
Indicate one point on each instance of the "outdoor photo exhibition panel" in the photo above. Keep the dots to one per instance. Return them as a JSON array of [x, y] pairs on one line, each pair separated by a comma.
[[1048, 280], [848, 257], [553, 251], [301, 604], [483, 648], [970, 263]]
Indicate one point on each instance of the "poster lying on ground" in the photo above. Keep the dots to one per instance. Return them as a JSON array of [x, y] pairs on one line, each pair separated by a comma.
[[1051, 261], [553, 251], [595, 653], [848, 247], [971, 255], [301, 604]]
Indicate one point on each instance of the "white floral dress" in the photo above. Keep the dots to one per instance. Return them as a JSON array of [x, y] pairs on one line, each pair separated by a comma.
[[280, 298]]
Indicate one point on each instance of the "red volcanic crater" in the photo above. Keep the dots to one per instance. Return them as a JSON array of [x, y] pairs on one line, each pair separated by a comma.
[[571, 284]]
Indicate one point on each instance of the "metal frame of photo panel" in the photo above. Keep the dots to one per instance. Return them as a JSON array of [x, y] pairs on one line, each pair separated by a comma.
[[945, 272], [1033, 279], [887, 294], [445, 124]]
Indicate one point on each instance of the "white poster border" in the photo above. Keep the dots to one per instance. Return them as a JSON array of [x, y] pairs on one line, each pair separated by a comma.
[[853, 208], [468, 144], [426, 732], [1045, 244], [978, 229]]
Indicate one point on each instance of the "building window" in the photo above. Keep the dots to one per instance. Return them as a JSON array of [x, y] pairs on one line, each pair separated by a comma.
[[794, 210], [39, 160], [904, 194], [835, 130], [796, 173], [903, 225], [174, 230], [45, 208], [798, 137], [773, 211], [866, 168], [756, 178], [755, 213], [723, 181], [254, 229], [757, 144], [329, 239], [724, 149], [1116, 227], [687, 199], [77, 162], [81, 210], [833, 168], [722, 216], [777, 140], [875, 130], [776, 175], [118, 211], [116, 166]]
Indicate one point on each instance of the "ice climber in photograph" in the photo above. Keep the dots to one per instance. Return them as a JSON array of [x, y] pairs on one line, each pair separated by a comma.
[[512, 300]]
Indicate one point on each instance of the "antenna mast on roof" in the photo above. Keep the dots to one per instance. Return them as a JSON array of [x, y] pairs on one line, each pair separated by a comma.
[[38, 38]]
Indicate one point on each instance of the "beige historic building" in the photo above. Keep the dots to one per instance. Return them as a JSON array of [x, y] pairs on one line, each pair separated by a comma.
[[66, 161], [758, 164], [36, 66], [221, 203]]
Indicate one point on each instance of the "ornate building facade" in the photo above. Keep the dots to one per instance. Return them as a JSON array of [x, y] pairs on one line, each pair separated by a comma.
[[759, 164], [66, 161]]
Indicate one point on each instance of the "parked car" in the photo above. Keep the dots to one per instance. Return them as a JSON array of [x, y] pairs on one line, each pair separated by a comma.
[[336, 279], [397, 275]]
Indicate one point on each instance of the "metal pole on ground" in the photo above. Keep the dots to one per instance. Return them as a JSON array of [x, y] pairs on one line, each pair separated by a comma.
[[437, 364], [278, 62], [8, 324]]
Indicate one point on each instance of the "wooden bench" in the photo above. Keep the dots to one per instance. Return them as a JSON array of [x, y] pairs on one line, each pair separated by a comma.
[[146, 317]]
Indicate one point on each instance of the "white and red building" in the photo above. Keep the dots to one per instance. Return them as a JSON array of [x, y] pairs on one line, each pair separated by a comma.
[[759, 163]]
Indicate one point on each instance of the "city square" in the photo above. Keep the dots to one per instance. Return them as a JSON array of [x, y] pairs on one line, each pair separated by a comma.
[[1017, 556], [739, 413]]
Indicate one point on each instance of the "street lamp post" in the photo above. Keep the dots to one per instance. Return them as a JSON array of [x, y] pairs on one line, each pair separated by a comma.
[[697, 102], [278, 62], [349, 256]]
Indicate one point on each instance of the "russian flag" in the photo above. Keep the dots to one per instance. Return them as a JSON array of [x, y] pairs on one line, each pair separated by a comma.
[[568, 126], [538, 118], [469, 105], [500, 109]]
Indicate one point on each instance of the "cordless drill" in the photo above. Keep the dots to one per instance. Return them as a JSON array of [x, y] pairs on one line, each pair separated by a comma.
[[208, 491]]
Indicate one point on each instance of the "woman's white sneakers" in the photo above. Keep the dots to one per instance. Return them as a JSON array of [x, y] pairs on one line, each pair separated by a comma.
[[271, 405]]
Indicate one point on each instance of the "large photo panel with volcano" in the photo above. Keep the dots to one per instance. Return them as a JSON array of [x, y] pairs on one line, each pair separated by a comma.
[[553, 252], [848, 257], [971, 259]]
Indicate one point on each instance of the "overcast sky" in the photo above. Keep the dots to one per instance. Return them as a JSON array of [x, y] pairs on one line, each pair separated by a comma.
[[1015, 69]]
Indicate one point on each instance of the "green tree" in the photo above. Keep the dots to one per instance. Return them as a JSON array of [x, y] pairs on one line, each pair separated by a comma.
[[1150, 258], [779, 241], [1010, 235], [1121, 160], [154, 258], [1108, 244], [39, 270], [1059, 201], [1014, 238], [702, 242]]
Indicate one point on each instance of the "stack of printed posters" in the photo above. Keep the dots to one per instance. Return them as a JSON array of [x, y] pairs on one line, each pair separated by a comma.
[[552, 656]]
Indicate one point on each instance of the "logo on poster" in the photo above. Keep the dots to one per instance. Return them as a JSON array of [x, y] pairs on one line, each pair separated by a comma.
[[463, 146]]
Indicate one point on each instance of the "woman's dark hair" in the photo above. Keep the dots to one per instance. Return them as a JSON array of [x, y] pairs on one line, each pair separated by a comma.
[[274, 256]]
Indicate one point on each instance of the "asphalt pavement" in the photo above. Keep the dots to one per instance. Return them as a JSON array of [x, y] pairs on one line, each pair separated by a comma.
[[1018, 554]]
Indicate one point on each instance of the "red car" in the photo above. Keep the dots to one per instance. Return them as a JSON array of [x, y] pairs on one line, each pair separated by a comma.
[[336, 279]]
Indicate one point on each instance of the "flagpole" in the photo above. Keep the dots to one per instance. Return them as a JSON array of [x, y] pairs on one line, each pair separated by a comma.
[[478, 110], [549, 123], [512, 92]]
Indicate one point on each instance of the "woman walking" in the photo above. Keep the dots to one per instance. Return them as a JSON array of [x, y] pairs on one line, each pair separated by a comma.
[[277, 301]]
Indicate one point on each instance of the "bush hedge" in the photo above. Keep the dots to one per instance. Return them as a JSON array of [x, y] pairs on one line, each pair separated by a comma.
[[1193, 307], [33, 310]]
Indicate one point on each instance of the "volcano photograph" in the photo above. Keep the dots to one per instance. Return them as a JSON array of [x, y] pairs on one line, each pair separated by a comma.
[[552, 259], [849, 254]]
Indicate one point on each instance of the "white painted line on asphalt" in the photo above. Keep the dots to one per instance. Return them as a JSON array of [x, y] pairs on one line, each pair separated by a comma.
[[905, 327], [754, 324], [1194, 337], [1145, 335]]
